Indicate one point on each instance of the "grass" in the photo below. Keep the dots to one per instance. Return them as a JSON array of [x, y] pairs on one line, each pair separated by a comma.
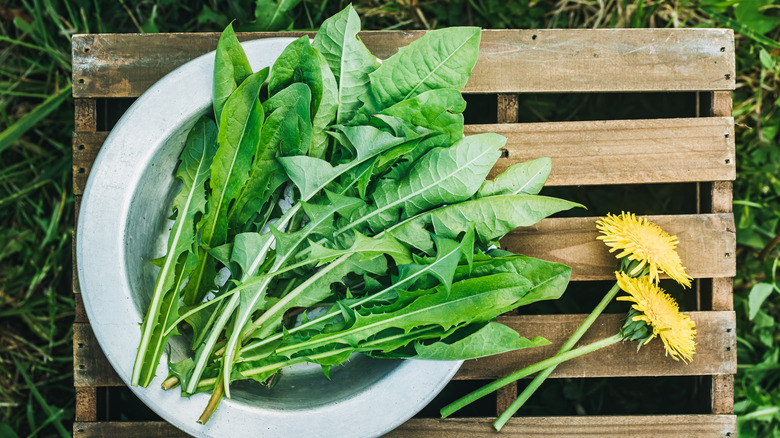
[[36, 202]]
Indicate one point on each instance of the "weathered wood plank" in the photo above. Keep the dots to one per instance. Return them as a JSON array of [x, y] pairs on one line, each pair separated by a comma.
[[622, 151], [125, 65], [115, 429], [85, 114], [683, 426], [86, 404], [707, 244], [721, 104], [508, 108], [715, 349], [90, 366], [86, 146], [715, 333], [679, 426], [507, 111], [582, 153], [723, 394]]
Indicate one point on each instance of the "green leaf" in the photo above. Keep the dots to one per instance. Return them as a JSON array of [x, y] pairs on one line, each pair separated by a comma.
[[288, 125], [367, 247], [439, 110], [231, 67], [442, 176], [245, 247], [298, 62], [448, 255], [519, 179], [758, 294], [272, 15], [748, 13], [442, 267], [474, 300], [439, 59], [348, 58], [315, 289], [493, 217], [193, 171], [491, 338], [766, 60], [311, 174], [239, 137], [742, 28]]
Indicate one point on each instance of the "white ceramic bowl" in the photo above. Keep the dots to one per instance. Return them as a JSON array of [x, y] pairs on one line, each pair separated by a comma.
[[123, 223]]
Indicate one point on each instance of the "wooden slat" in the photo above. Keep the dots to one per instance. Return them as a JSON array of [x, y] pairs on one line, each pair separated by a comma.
[[721, 202], [721, 104], [682, 426], [622, 151], [707, 244], [90, 366], [81, 313], [651, 426], [714, 335], [86, 146], [508, 108], [125, 65], [723, 394], [85, 114], [115, 429], [86, 404], [507, 111], [582, 153]]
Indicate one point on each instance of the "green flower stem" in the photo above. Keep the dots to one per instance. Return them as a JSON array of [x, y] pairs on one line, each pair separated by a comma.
[[541, 377], [527, 371]]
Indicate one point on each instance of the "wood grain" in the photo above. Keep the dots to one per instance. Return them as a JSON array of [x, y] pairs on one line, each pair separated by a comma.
[[715, 349], [723, 394], [721, 104], [622, 151], [90, 366], [115, 429], [85, 114], [582, 153], [707, 244], [510, 61], [678, 426], [86, 146], [508, 108], [86, 404], [715, 333]]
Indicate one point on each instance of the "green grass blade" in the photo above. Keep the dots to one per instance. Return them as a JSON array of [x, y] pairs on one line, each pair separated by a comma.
[[13, 132], [53, 416], [741, 28]]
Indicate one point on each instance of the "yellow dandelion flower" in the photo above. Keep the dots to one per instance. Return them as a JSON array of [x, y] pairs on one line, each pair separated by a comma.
[[645, 242], [661, 312]]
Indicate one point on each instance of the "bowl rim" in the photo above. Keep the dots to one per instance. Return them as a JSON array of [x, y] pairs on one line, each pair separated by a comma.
[[179, 96]]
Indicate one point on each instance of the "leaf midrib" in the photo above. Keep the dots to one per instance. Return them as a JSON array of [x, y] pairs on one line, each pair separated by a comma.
[[399, 315], [438, 66], [411, 195], [170, 258]]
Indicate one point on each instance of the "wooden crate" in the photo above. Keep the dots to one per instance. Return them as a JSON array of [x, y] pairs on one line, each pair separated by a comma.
[[695, 151]]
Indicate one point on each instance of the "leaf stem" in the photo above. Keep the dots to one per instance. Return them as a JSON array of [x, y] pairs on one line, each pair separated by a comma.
[[216, 397], [542, 376], [527, 371]]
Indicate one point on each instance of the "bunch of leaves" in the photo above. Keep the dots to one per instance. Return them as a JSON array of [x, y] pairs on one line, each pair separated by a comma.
[[349, 187]]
